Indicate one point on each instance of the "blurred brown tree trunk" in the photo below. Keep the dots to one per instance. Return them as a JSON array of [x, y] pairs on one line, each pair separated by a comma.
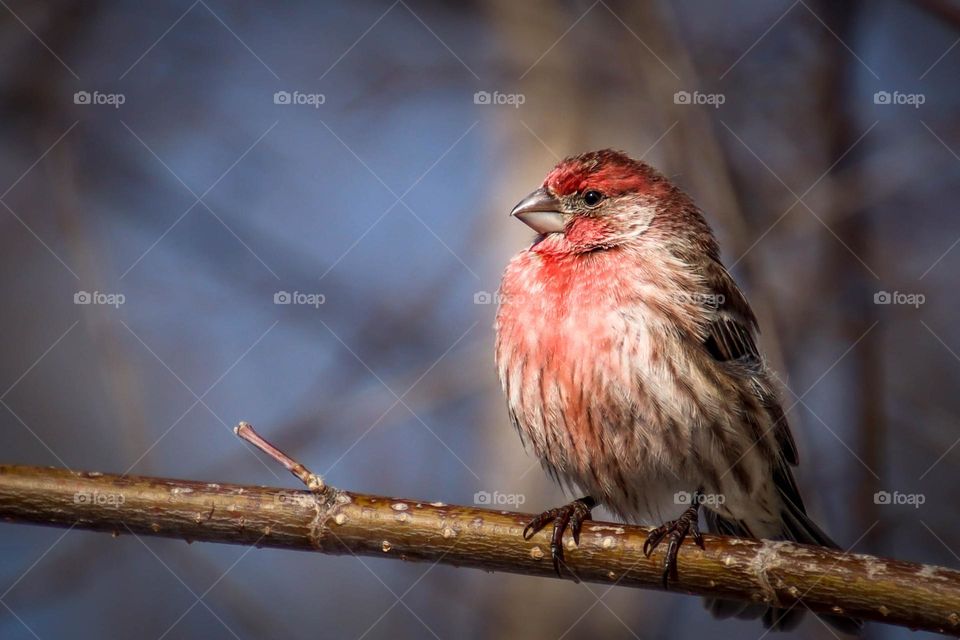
[[853, 284]]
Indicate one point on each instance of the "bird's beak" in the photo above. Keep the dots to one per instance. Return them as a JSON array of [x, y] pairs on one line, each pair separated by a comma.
[[541, 212]]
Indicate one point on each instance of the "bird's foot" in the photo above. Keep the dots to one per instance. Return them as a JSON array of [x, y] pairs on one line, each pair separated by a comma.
[[572, 515], [676, 531]]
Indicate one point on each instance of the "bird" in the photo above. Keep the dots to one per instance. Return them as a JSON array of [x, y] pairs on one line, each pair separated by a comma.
[[629, 360]]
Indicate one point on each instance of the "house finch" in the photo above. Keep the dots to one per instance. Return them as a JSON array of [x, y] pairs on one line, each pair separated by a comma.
[[629, 360]]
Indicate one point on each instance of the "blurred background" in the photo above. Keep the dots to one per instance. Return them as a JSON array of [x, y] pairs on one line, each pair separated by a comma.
[[296, 213]]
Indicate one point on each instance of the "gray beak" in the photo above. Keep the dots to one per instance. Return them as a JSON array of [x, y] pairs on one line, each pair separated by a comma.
[[541, 212]]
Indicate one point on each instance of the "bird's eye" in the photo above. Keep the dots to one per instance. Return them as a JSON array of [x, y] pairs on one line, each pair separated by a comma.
[[592, 198]]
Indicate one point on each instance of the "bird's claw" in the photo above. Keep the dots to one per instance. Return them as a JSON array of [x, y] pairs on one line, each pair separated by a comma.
[[572, 515], [676, 531]]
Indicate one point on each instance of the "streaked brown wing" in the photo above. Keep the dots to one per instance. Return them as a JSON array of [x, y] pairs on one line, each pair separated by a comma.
[[731, 338]]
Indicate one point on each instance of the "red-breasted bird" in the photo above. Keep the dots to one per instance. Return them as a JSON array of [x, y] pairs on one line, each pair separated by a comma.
[[629, 359]]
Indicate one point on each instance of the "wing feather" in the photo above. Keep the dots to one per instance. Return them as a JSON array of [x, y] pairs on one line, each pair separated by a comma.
[[732, 338]]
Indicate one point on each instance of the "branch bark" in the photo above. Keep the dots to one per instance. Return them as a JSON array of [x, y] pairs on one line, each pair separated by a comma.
[[330, 520]]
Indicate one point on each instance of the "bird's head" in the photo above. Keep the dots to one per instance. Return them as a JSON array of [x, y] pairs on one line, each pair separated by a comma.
[[598, 200]]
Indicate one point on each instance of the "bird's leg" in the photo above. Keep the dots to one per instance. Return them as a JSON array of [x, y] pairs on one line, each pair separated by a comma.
[[572, 515], [676, 530]]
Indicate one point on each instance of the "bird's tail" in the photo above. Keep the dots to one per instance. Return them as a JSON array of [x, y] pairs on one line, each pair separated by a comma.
[[797, 527]]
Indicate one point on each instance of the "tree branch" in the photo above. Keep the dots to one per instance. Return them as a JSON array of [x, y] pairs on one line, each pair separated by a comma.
[[334, 521]]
